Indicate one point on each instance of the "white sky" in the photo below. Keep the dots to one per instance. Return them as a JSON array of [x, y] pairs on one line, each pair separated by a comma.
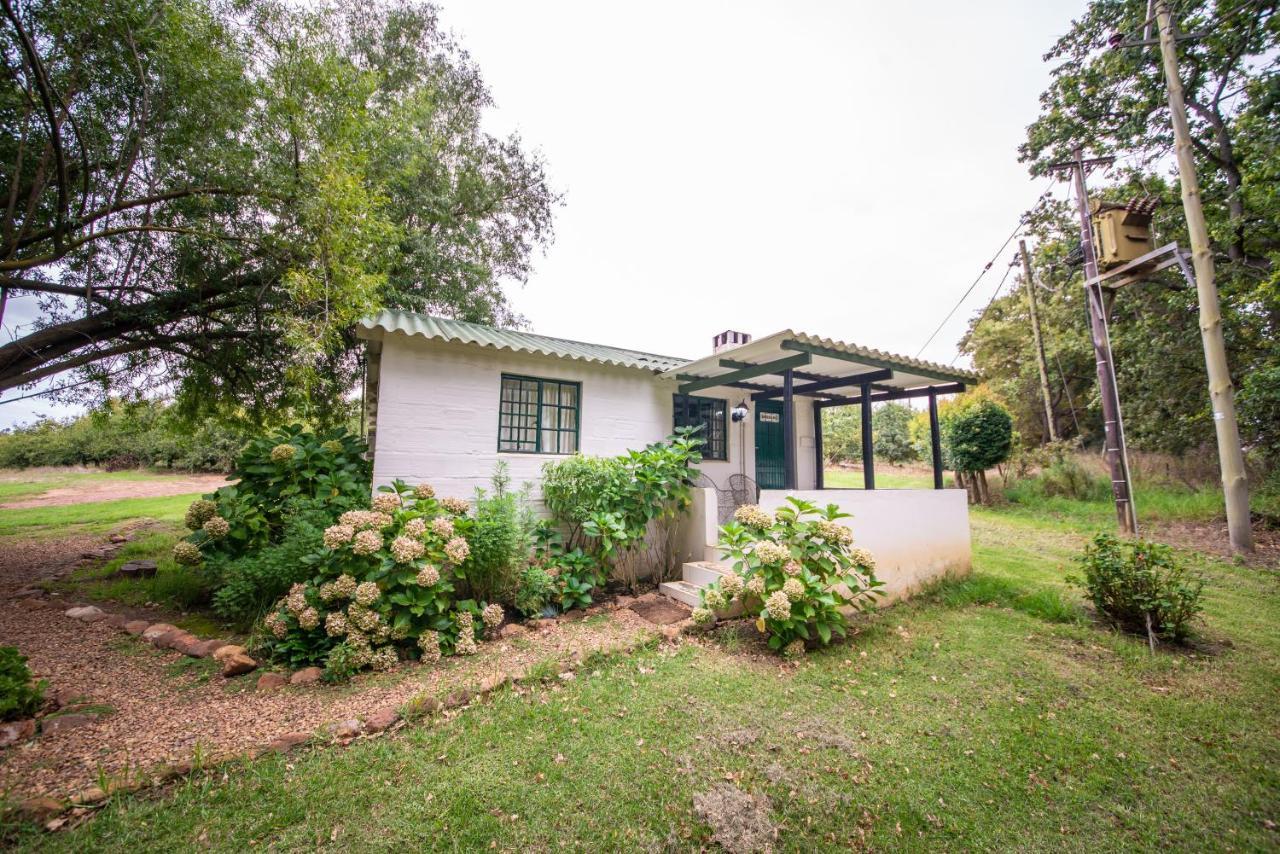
[[844, 169]]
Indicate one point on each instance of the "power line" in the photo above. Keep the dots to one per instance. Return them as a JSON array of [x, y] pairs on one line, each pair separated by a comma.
[[1022, 220], [990, 302]]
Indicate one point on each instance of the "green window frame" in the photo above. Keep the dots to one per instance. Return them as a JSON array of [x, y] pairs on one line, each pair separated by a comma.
[[538, 416], [709, 413]]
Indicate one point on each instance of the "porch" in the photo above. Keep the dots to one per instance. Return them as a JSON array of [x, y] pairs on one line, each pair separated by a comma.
[[784, 382]]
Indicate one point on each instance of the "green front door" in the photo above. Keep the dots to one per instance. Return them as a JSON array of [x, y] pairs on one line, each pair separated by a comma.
[[770, 459]]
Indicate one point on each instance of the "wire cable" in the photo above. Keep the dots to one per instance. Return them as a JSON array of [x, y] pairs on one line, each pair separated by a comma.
[[990, 302]]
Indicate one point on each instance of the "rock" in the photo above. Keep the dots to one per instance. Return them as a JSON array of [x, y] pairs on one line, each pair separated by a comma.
[[116, 621], [138, 569], [492, 682], [381, 720], [16, 731], [28, 593], [512, 630], [343, 730], [288, 741], [118, 538], [86, 614], [624, 601], [541, 623], [306, 676], [458, 698], [178, 640], [40, 808], [226, 651], [271, 681], [204, 649], [157, 630], [91, 795], [136, 627], [573, 615], [58, 723], [236, 664], [63, 697]]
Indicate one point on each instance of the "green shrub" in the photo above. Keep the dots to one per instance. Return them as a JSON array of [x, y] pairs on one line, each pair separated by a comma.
[[1260, 412], [19, 696], [978, 434], [498, 544], [891, 433], [1140, 586], [793, 571], [534, 591], [576, 487], [247, 585], [288, 469]]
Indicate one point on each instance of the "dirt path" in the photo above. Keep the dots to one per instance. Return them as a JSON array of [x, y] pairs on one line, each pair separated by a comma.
[[164, 708], [110, 490]]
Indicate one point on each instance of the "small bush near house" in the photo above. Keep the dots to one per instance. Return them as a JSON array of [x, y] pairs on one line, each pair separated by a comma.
[[288, 471], [19, 696], [247, 585], [385, 585], [793, 571], [534, 591], [1141, 587], [499, 540]]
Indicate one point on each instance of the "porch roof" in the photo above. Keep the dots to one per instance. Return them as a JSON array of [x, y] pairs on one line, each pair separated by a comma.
[[821, 367]]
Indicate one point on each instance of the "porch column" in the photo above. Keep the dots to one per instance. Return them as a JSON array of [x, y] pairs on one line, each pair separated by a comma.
[[817, 445], [935, 440], [788, 433], [868, 447]]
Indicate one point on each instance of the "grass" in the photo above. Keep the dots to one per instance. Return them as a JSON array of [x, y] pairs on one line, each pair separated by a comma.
[[97, 517], [986, 714], [17, 484], [887, 477]]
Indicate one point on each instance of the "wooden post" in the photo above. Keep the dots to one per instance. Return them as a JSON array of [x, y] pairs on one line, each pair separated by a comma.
[[1235, 487], [868, 448], [818, 461], [1030, 285], [788, 433], [935, 439]]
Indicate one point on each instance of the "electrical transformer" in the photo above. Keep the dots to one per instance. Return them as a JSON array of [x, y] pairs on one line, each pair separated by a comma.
[[1122, 233]]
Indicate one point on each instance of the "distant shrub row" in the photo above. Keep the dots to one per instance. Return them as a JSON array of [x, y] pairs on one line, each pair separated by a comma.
[[120, 436]]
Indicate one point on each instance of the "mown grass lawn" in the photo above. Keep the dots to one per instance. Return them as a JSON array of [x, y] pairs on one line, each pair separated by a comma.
[[94, 517], [29, 483], [991, 714]]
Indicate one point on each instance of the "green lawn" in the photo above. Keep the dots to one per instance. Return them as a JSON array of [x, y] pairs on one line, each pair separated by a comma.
[[990, 714], [886, 478], [29, 483], [92, 517]]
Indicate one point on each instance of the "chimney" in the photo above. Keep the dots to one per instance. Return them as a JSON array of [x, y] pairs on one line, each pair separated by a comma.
[[727, 340]]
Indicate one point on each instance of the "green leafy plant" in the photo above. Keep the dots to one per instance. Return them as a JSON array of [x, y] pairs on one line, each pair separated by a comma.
[[977, 432], [534, 591], [1141, 587], [891, 433], [19, 696], [497, 541], [794, 571]]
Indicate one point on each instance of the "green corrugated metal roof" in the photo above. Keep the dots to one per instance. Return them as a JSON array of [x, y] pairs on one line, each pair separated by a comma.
[[442, 329]]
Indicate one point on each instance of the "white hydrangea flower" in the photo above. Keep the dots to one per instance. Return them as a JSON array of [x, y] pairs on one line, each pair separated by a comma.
[[731, 585], [457, 550], [366, 543], [442, 527], [335, 624], [862, 558], [466, 643], [275, 624], [283, 453], [752, 516], [795, 649], [429, 643], [792, 567], [187, 554], [755, 586], [367, 593], [406, 549], [296, 601], [385, 658], [344, 586], [309, 618], [492, 616], [215, 527], [770, 552], [793, 588], [386, 502], [428, 576], [362, 618], [833, 532], [336, 536], [415, 527], [713, 598], [200, 511], [778, 606], [703, 616], [424, 492], [456, 506]]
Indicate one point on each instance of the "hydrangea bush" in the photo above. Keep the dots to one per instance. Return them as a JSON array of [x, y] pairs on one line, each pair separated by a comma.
[[386, 586], [794, 571]]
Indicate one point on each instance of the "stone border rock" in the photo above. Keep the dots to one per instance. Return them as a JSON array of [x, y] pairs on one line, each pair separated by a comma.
[[54, 814], [233, 658]]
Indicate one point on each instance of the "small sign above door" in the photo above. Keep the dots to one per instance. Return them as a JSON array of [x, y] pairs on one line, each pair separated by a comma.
[[770, 417]]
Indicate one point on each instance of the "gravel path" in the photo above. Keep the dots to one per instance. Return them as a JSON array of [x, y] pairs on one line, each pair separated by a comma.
[[163, 714]]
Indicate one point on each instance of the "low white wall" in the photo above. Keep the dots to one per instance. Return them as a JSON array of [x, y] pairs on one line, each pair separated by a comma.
[[699, 527], [915, 535]]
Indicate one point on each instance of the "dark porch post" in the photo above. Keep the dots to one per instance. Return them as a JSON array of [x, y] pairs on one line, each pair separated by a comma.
[[935, 440], [788, 433], [868, 447], [817, 444]]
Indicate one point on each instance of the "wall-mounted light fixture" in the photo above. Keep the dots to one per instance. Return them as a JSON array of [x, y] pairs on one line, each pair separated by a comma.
[[740, 412]]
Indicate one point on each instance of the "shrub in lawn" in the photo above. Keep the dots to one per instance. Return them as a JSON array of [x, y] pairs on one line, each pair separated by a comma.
[[793, 571], [19, 696], [1141, 586], [534, 591], [383, 586], [277, 473]]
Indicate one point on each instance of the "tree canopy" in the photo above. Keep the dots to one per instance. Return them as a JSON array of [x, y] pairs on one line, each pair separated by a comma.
[[1113, 101], [204, 195]]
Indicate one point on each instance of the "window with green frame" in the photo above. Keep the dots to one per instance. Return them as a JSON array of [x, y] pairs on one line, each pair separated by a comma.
[[709, 413], [537, 416]]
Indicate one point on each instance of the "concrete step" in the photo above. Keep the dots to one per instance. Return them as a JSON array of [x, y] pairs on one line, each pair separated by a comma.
[[712, 554], [701, 573], [682, 591]]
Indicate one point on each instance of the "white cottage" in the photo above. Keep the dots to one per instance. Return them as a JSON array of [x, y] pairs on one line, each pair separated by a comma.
[[446, 400]]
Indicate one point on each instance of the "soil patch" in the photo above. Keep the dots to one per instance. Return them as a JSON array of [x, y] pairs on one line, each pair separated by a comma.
[[112, 490], [740, 821], [660, 610], [1211, 538]]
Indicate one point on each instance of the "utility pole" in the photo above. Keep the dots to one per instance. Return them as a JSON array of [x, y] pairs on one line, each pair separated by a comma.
[[1113, 430], [1235, 486], [1035, 333]]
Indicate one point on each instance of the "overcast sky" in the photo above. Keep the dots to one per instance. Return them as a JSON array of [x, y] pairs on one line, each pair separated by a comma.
[[843, 169]]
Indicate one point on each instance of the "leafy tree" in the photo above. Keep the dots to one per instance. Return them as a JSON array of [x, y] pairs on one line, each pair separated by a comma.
[[978, 434], [891, 433], [842, 434], [207, 194]]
